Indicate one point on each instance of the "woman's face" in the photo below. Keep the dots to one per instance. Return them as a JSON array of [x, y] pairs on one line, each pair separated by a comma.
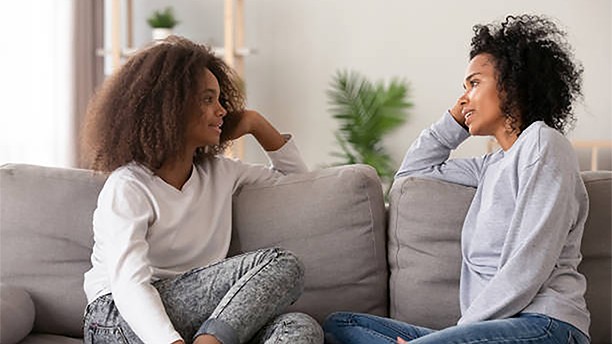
[[204, 128], [481, 101]]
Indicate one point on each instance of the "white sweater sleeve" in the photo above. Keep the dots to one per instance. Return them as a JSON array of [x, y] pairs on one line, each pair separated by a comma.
[[428, 155], [285, 160], [121, 222]]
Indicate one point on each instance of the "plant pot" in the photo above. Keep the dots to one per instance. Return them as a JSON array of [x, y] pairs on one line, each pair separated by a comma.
[[161, 33]]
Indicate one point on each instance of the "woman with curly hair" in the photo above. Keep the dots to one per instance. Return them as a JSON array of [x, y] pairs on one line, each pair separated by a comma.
[[521, 236], [162, 225]]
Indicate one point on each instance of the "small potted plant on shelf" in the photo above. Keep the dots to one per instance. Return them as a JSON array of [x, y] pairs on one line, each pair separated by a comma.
[[162, 23]]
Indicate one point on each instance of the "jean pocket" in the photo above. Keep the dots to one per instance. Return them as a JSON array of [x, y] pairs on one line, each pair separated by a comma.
[[105, 334]]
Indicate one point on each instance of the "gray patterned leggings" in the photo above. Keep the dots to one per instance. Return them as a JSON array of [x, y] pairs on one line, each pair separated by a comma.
[[237, 300]]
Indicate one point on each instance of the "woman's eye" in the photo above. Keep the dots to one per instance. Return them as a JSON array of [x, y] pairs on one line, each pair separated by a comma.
[[207, 100], [473, 83]]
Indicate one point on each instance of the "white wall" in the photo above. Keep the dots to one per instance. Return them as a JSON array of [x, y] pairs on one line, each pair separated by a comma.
[[301, 44]]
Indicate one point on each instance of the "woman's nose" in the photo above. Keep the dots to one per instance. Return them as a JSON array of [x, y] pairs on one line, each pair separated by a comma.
[[463, 100], [222, 112]]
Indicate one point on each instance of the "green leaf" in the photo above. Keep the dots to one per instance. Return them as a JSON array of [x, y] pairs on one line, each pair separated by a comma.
[[163, 19], [366, 112]]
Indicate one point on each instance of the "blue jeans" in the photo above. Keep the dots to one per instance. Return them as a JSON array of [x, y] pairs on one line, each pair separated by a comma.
[[354, 328]]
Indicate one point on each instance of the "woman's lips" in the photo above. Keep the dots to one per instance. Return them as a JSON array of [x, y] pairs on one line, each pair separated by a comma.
[[468, 117], [216, 127]]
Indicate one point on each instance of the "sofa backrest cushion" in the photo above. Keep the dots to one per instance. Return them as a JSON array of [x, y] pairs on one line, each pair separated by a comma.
[[425, 220], [596, 248], [46, 239], [334, 220]]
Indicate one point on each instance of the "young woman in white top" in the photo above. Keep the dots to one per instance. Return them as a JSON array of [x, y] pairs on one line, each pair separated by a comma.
[[521, 236], [162, 225]]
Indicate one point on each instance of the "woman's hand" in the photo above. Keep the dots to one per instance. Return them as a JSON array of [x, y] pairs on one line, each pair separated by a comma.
[[252, 122], [401, 341], [244, 123], [457, 112]]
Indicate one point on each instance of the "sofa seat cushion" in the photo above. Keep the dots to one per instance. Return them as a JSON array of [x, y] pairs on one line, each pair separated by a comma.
[[50, 339], [334, 220]]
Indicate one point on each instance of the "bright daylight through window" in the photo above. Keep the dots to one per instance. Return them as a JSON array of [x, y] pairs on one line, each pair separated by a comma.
[[36, 125]]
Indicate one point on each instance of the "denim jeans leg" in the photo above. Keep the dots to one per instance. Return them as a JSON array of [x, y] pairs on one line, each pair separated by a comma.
[[241, 293], [345, 328], [523, 329], [294, 328], [356, 328], [103, 324]]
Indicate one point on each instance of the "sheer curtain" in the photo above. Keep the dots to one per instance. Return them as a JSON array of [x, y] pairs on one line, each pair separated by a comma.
[[36, 114]]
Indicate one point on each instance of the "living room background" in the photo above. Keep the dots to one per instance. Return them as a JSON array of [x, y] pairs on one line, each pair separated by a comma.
[[300, 44]]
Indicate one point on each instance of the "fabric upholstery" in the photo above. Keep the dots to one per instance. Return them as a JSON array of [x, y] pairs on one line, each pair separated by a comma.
[[596, 262], [333, 219], [425, 220], [16, 314], [50, 339], [45, 219]]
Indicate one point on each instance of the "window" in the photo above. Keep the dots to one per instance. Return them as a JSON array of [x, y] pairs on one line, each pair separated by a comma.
[[36, 117]]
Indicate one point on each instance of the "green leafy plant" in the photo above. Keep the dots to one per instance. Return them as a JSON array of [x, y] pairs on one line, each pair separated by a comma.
[[367, 112], [163, 19]]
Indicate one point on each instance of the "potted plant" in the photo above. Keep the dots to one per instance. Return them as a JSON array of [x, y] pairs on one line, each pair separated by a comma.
[[162, 23], [367, 112]]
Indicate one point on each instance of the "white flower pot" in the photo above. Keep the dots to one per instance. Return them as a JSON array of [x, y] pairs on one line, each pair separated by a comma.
[[161, 33]]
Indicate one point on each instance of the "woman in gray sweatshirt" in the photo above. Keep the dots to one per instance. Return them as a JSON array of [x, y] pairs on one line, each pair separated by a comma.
[[521, 236]]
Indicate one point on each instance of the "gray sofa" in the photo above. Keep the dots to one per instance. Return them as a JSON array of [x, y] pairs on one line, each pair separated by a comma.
[[358, 257]]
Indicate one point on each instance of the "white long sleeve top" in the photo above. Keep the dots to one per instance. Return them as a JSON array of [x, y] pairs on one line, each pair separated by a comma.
[[146, 230], [522, 233]]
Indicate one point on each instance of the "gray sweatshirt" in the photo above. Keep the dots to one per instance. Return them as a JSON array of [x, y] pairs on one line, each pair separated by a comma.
[[521, 236]]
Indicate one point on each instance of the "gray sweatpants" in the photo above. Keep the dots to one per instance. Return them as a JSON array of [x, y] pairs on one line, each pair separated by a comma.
[[238, 300]]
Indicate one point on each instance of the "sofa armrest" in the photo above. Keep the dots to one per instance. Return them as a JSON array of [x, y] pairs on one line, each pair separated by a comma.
[[16, 314]]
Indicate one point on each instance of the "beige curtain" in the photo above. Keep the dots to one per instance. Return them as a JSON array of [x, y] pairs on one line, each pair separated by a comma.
[[88, 66]]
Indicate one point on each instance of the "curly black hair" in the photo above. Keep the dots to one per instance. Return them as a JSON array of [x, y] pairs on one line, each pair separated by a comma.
[[536, 71], [140, 113]]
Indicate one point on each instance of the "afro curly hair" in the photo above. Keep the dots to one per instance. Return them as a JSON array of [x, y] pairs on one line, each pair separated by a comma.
[[140, 113], [536, 71]]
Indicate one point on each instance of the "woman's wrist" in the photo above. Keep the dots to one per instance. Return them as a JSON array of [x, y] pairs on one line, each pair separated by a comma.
[[458, 117], [254, 121], [264, 132]]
